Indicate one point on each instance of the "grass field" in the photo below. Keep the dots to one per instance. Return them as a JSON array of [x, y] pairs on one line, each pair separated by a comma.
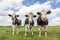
[[6, 34]]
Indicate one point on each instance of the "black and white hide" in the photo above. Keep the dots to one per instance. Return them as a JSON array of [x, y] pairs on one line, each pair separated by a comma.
[[42, 22], [29, 23], [16, 23]]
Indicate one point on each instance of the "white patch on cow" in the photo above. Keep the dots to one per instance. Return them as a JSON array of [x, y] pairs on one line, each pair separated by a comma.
[[43, 15], [26, 29], [39, 28], [30, 17], [13, 29]]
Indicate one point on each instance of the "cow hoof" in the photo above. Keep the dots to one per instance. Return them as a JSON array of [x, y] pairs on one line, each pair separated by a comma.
[[45, 34], [32, 33], [39, 35], [25, 35], [13, 34]]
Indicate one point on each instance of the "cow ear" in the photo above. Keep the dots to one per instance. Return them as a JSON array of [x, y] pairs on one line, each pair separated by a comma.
[[48, 12], [10, 15], [17, 15], [38, 13], [26, 15], [34, 15]]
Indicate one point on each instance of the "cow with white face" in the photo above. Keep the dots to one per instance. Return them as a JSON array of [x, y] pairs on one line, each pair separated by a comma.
[[29, 23], [42, 21], [16, 23]]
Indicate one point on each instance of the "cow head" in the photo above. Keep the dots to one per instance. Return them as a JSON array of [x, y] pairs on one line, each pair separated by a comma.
[[30, 16], [13, 17], [43, 14]]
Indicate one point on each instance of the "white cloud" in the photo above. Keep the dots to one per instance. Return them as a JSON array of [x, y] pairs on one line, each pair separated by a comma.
[[5, 13], [11, 3], [4, 19], [34, 8], [57, 1], [54, 12], [55, 21], [54, 1]]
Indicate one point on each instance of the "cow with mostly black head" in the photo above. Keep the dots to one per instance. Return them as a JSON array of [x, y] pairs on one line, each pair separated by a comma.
[[42, 21], [16, 23], [29, 23]]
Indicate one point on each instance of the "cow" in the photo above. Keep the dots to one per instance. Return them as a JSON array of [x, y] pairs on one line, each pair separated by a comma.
[[42, 22], [29, 23], [15, 22]]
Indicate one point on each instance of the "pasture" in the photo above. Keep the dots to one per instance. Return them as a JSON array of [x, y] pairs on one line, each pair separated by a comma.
[[6, 34]]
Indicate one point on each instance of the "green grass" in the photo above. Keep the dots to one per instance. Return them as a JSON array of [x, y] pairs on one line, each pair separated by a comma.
[[6, 34]]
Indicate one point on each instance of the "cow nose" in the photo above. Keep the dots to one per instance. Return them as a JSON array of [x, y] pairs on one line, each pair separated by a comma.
[[43, 18]]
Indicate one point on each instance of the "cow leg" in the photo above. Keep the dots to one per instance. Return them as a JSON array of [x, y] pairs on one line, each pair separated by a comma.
[[26, 29], [13, 30], [32, 29], [45, 29], [39, 28], [17, 30]]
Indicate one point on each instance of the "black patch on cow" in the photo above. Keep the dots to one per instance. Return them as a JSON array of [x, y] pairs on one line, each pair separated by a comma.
[[17, 22], [41, 22], [27, 22]]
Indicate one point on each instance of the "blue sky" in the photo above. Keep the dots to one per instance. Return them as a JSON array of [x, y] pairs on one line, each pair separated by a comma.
[[23, 7]]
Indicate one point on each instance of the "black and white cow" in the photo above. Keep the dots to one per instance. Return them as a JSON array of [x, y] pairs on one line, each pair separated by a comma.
[[29, 23], [16, 23], [42, 21]]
